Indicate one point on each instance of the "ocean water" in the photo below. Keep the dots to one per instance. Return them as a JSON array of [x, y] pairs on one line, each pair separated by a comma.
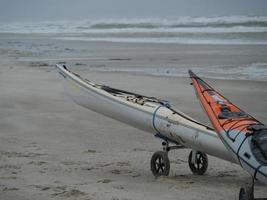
[[184, 30], [179, 30]]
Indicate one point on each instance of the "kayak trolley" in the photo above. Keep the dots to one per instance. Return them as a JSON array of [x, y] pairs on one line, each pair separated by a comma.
[[160, 163]]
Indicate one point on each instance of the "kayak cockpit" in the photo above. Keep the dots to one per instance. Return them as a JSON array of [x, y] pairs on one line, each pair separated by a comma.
[[259, 143]]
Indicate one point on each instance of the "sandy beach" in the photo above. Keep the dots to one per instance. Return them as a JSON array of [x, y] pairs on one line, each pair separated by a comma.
[[50, 148]]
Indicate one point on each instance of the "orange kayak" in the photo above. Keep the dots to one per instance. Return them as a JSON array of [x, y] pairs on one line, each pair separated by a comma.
[[243, 135]]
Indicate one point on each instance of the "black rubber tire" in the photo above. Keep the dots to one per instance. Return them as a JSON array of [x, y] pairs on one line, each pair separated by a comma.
[[160, 164], [201, 166], [246, 193]]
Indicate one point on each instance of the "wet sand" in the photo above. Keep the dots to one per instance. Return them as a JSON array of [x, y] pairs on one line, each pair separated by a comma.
[[50, 148]]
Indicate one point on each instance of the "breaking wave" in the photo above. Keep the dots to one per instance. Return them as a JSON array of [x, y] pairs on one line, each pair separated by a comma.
[[210, 30]]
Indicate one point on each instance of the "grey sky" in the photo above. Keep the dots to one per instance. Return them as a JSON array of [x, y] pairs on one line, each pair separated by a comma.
[[35, 10]]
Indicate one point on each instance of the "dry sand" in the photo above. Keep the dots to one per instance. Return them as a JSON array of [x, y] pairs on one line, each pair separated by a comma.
[[50, 148]]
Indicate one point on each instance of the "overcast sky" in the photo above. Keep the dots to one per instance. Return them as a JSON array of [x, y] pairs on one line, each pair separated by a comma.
[[40, 10]]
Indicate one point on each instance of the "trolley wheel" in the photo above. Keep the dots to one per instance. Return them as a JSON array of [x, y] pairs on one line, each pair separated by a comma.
[[246, 193], [200, 165], [160, 164]]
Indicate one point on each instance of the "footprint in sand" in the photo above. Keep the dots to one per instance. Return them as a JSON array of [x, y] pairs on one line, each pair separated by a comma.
[[116, 198], [105, 181], [123, 164], [136, 175], [118, 187], [116, 171], [21, 154], [103, 165], [39, 64], [79, 64], [226, 174], [12, 167], [141, 150], [90, 151], [38, 163], [6, 189], [33, 146], [61, 191], [88, 168], [79, 163], [8, 177], [69, 193]]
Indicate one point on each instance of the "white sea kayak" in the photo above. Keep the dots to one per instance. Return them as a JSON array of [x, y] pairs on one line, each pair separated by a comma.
[[146, 113]]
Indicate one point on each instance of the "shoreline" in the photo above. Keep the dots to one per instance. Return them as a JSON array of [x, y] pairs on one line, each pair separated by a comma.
[[57, 37]]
